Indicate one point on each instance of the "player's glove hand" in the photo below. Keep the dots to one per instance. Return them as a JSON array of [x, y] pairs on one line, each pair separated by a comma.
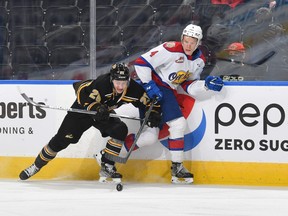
[[153, 91], [154, 119], [102, 112], [214, 83]]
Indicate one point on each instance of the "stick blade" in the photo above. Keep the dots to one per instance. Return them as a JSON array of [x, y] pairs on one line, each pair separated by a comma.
[[29, 99], [265, 58]]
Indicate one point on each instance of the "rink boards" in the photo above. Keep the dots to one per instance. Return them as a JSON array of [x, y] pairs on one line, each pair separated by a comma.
[[237, 136]]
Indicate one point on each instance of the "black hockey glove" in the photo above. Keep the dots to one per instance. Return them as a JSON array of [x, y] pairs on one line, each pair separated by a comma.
[[102, 112], [154, 119]]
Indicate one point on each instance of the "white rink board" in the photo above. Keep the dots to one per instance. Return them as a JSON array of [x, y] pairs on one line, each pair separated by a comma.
[[256, 132], [32, 131]]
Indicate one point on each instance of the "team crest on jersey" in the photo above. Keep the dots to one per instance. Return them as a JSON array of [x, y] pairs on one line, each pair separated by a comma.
[[180, 60], [170, 44], [179, 77]]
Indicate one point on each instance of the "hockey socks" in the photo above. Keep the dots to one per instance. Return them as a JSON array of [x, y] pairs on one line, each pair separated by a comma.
[[45, 155], [113, 147]]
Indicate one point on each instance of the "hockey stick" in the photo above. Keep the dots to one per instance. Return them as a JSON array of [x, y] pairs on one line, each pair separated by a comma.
[[89, 112], [123, 160], [255, 64]]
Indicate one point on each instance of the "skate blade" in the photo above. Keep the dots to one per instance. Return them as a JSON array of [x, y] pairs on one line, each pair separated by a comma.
[[109, 180], [176, 180]]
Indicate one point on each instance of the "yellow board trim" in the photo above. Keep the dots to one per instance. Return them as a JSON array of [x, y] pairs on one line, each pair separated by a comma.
[[205, 172]]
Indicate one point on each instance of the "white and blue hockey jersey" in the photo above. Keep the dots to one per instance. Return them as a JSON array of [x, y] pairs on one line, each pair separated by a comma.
[[169, 66]]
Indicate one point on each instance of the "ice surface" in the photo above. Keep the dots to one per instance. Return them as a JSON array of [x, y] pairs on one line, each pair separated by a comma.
[[85, 198]]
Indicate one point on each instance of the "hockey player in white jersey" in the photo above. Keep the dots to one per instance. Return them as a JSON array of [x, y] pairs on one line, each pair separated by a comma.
[[162, 70]]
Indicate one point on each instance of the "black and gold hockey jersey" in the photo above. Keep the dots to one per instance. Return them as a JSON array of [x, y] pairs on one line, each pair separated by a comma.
[[101, 90]]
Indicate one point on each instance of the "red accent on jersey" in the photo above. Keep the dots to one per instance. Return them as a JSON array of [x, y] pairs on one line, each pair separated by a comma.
[[153, 53], [140, 61], [180, 60], [164, 132], [176, 48], [203, 57], [159, 82], [185, 84]]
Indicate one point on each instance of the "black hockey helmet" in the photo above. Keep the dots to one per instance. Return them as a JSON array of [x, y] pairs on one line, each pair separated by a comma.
[[119, 71]]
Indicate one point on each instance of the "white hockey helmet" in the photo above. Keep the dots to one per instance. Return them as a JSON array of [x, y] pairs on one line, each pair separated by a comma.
[[194, 31]]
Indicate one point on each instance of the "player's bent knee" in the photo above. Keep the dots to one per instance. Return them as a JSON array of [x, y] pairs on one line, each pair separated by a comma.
[[149, 136], [58, 143], [119, 131], [177, 127]]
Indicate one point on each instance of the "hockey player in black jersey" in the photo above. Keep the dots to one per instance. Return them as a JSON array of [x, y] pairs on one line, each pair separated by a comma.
[[104, 94]]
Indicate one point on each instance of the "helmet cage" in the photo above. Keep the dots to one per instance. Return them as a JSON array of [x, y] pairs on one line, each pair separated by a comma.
[[119, 72]]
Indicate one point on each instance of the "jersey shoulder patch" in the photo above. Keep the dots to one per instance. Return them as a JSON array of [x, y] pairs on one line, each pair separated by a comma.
[[173, 46]]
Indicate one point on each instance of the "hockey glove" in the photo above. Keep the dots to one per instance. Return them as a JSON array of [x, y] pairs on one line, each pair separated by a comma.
[[102, 112], [153, 91], [214, 83], [154, 119]]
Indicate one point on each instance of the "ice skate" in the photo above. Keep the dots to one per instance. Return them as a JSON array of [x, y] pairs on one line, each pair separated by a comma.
[[108, 172], [180, 174], [28, 172]]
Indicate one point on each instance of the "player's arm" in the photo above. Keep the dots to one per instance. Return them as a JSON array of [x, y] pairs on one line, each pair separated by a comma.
[[146, 65], [89, 98], [155, 116], [194, 88], [85, 93], [149, 61], [143, 103], [211, 83], [144, 72]]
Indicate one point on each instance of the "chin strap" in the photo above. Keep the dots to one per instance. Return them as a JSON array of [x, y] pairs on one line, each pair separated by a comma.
[[122, 95]]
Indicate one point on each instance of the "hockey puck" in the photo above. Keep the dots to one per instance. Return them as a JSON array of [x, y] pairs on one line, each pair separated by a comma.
[[119, 187]]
